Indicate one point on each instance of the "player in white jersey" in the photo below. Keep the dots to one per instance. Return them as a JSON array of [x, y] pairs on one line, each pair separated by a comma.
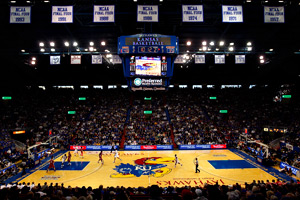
[[117, 156], [177, 161], [64, 158], [76, 151]]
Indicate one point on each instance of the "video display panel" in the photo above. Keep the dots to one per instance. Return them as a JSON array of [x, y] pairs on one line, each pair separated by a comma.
[[147, 66]]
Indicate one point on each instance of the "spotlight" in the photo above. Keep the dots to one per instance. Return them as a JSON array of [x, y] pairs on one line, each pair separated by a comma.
[[75, 44], [103, 43], [91, 48], [262, 61], [231, 48], [188, 43], [52, 44], [204, 48], [52, 49], [33, 58], [91, 43], [231, 43], [211, 43], [221, 43], [261, 57], [249, 48], [42, 50], [67, 44], [33, 62], [41, 44], [271, 49], [249, 44], [204, 43]]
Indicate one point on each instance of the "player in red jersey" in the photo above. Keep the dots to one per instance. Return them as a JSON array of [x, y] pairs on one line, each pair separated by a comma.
[[69, 158], [100, 158], [51, 165], [81, 152]]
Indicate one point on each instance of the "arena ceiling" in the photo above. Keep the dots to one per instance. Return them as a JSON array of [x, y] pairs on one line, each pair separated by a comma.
[[279, 43]]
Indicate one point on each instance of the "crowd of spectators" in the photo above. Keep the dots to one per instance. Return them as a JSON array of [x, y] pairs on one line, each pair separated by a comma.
[[148, 129], [257, 190]]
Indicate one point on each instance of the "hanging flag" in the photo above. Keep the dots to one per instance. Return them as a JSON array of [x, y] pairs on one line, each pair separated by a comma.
[[104, 13], [232, 13], [240, 59], [96, 59], [75, 59], [50, 132], [199, 59], [54, 60], [179, 59], [192, 13], [116, 59], [62, 14], [20, 15], [274, 14], [147, 13], [219, 59]]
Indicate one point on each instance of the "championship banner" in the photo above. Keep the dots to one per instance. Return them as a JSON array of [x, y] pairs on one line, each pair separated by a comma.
[[75, 60], [62, 14], [20, 15], [96, 59], [274, 14], [240, 59], [179, 59], [147, 13], [54, 60], [199, 59], [192, 13], [232, 13], [219, 59], [116, 59], [104, 13]]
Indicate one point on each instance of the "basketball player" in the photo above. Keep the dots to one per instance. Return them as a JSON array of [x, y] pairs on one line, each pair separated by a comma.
[[100, 158], [177, 161], [81, 152], [51, 165], [64, 158], [76, 151], [117, 156], [196, 162], [69, 158]]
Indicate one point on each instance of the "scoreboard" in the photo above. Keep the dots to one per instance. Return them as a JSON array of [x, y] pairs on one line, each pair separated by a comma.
[[148, 60]]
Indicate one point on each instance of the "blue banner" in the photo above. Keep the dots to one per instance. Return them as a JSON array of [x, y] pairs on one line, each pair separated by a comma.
[[194, 147], [294, 170], [148, 147]]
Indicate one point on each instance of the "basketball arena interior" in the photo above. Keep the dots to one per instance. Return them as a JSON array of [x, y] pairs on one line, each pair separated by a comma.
[[150, 99]]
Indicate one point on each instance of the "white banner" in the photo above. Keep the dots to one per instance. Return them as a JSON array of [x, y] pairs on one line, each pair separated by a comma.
[[219, 59], [232, 13], [62, 14], [54, 60], [192, 13], [20, 15], [96, 59], [199, 59], [75, 59], [104, 13], [240, 59], [179, 59], [116, 59], [147, 13], [274, 14]]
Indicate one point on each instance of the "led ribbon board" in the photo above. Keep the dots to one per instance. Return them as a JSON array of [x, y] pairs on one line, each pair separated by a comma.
[[148, 43]]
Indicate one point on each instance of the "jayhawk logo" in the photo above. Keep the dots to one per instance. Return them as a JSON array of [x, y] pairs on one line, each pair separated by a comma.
[[152, 166]]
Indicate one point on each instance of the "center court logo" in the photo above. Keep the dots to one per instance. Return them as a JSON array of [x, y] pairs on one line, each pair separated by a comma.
[[137, 81], [153, 166]]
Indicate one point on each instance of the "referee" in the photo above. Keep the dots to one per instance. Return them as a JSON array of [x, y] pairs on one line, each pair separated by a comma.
[[197, 164]]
